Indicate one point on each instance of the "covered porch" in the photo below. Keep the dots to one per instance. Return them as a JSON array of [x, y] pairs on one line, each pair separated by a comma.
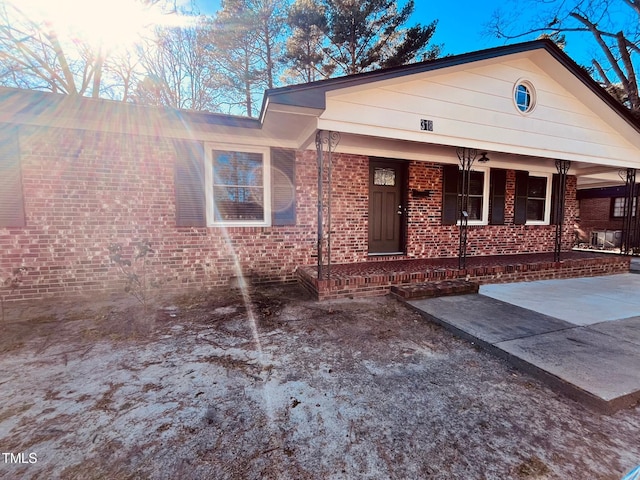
[[377, 277], [465, 168]]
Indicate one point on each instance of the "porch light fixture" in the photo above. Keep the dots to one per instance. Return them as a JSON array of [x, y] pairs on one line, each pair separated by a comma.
[[483, 158]]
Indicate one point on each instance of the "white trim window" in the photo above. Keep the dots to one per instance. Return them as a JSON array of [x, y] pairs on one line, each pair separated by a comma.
[[524, 96], [618, 210], [539, 199], [478, 206], [237, 181], [533, 198]]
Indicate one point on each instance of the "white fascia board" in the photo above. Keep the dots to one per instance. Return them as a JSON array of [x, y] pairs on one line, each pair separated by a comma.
[[436, 139]]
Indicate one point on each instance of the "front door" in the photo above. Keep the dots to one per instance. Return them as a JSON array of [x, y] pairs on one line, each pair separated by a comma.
[[386, 206]]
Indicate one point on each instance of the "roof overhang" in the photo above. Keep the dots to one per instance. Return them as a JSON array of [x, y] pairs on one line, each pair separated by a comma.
[[291, 115]]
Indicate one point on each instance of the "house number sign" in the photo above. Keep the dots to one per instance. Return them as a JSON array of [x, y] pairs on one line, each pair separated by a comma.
[[426, 125]]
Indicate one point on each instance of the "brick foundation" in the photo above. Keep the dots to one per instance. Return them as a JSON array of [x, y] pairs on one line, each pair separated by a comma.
[[357, 281]]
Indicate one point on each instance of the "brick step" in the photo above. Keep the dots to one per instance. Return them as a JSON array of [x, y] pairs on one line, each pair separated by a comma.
[[434, 289]]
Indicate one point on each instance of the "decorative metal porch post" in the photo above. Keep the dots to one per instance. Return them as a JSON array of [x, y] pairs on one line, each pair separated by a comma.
[[562, 166], [466, 156], [629, 235], [328, 140]]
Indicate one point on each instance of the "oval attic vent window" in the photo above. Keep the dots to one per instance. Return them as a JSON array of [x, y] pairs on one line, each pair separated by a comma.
[[524, 96]]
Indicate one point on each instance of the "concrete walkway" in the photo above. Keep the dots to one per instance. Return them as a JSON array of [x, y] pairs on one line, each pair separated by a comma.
[[581, 336]]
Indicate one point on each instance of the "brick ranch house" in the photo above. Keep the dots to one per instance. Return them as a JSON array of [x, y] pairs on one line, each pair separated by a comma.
[[222, 197]]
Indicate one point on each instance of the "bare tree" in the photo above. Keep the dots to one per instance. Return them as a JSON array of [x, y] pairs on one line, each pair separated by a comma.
[[246, 41], [121, 73], [32, 55], [612, 25], [176, 69], [268, 19]]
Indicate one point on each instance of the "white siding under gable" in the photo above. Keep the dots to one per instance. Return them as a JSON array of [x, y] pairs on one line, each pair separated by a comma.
[[474, 107]]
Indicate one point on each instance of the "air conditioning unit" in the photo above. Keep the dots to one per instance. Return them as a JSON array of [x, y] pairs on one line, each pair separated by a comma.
[[605, 239]]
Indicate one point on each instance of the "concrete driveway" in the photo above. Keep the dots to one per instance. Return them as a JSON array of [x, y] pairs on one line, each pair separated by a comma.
[[581, 301], [582, 336]]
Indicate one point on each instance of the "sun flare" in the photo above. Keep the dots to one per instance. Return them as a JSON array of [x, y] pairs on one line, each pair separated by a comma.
[[112, 25]]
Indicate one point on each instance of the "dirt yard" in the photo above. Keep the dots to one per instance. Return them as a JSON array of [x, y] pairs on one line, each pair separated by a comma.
[[276, 386]]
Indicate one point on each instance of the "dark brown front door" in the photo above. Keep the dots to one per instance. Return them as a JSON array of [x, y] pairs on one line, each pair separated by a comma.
[[386, 206]]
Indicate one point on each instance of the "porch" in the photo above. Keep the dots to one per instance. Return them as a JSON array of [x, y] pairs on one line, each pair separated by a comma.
[[376, 277]]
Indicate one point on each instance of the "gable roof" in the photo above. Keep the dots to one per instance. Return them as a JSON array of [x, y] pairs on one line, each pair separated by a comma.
[[291, 115], [313, 95]]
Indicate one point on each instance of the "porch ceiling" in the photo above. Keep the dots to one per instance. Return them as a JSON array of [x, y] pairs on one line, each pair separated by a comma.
[[589, 174]]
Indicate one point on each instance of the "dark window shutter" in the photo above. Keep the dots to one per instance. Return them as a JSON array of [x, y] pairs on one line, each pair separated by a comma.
[[497, 195], [520, 204], [283, 187], [189, 184], [450, 174], [11, 198]]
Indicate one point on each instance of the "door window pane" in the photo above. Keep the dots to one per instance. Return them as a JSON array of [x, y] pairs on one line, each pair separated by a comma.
[[384, 177]]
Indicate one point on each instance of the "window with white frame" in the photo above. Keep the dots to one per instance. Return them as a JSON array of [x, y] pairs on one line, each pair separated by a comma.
[[237, 181], [533, 198], [536, 199], [477, 199], [618, 209], [524, 96], [478, 203]]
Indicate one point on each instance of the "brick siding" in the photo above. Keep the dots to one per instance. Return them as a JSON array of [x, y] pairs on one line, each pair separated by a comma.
[[595, 214], [84, 190]]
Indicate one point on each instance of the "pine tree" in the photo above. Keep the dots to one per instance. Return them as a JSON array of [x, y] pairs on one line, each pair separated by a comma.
[[304, 52], [245, 42], [236, 54], [369, 34]]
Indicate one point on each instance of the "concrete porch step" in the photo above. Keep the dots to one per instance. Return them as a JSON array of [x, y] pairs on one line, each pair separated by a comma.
[[434, 289]]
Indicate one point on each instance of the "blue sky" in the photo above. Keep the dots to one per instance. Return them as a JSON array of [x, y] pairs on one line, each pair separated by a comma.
[[460, 23], [463, 27]]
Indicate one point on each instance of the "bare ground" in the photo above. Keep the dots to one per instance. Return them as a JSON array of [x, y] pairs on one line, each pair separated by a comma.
[[279, 386]]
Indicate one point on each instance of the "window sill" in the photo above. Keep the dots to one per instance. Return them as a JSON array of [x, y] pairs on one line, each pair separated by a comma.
[[474, 223], [239, 224]]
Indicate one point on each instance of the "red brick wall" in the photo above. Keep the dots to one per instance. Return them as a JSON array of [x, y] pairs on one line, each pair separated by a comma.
[[85, 190], [349, 207], [595, 214], [428, 238], [361, 284]]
